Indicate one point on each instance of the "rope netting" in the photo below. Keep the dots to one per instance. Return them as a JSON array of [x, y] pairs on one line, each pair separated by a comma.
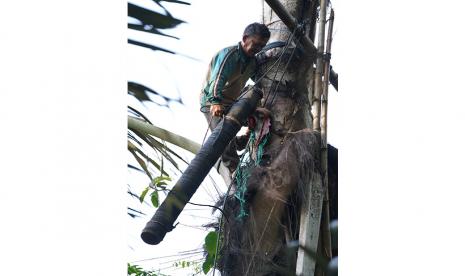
[[245, 167]]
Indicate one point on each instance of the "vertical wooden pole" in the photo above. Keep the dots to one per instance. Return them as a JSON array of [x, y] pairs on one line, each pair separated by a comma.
[[310, 215], [316, 101], [312, 209], [324, 96], [326, 235]]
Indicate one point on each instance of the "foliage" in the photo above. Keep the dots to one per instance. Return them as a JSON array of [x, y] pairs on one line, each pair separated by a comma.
[[154, 22], [157, 183], [211, 240], [208, 264], [151, 21], [192, 264], [142, 93], [138, 143], [151, 153], [138, 271]]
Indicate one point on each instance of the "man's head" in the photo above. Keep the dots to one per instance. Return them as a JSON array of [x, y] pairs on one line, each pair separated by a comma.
[[255, 37]]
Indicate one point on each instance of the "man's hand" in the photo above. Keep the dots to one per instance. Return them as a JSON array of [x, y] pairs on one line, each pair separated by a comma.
[[216, 110]]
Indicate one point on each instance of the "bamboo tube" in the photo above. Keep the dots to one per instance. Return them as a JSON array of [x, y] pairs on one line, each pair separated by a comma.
[[316, 100], [326, 234], [324, 96]]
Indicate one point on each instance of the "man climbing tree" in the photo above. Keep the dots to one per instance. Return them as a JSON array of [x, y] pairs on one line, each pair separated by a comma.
[[227, 75]]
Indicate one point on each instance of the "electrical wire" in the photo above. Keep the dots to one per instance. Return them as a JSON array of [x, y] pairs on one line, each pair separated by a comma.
[[194, 251]]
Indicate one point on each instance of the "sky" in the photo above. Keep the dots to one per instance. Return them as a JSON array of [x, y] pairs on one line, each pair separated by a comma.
[[64, 72]]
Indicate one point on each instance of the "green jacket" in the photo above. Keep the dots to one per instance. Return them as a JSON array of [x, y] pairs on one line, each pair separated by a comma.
[[227, 74]]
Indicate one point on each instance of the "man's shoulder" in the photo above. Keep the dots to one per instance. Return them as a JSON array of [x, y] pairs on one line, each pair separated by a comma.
[[230, 48], [227, 51]]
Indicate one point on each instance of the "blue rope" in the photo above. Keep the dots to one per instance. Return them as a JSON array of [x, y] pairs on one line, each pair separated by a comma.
[[244, 170]]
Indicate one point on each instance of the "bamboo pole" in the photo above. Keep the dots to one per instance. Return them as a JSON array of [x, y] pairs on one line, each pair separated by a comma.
[[141, 126], [309, 226], [316, 100], [311, 210], [324, 96], [326, 234]]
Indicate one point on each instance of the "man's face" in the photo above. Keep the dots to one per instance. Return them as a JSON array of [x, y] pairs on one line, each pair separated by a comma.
[[253, 44]]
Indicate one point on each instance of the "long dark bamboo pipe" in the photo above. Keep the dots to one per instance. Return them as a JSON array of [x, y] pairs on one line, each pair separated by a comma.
[[177, 198]]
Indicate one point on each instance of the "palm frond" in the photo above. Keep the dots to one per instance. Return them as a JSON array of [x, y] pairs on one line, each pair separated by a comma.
[[151, 47], [141, 93], [135, 168], [161, 149], [151, 19], [139, 114], [172, 1], [175, 139]]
